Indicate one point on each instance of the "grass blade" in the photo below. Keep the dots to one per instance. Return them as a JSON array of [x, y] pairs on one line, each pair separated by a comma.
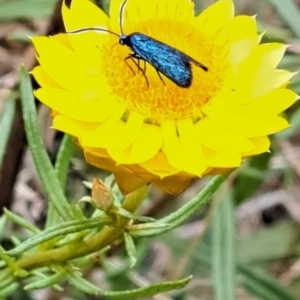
[[223, 252], [289, 13], [262, 285]]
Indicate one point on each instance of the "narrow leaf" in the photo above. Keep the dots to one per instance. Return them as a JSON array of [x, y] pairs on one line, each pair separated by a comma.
[[262, 285], [56, 231], [15, 9], [20, 221], [289, 12], [61, 168], [50, 183], [87, 287], [130, 249], [178, 217], [223, 250], [8, 290], [3, 221], [47, 281]]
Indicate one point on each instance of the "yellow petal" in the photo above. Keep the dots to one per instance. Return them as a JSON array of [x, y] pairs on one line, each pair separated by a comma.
[[72, 127], [217, 159], [121, 156], [134, 125], [73, 81], [105, 136], [62, 38], [254, 127], [43, 79], [147, 145], [71, 106], [100, 159], [128, 182], [242, 27], [264, 83], [216, 137], [240, 49], [216, 171], [136, 13], [159, 166], [174, 184], [255, 76], [212, 19], [85, 14], [88, 14], [261, 144], [63, 56], [272, 103], [144, 148], [183, 152]]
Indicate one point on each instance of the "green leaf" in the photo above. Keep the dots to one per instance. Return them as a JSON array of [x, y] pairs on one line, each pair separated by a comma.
[[127, 214], [262, 285], [87, 287], [130, 249], [56, 231], [178, 217], [50, 183], [63, 159], [289, 13], [16, 9], [8, 290], [250, 177], [146, 229], [47, 281], [61, 168], [268, 244], [223, 250], [3, 221], [15, 241], [6, 122], [20, 221]]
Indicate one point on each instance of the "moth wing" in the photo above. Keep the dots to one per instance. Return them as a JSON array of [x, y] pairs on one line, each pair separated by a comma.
[[197, 63]]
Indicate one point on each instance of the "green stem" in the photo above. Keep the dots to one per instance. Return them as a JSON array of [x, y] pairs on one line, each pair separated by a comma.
[[74, 250]]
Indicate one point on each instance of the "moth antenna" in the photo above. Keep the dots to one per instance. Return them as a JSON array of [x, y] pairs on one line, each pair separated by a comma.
[[122, 16], [91, 29]]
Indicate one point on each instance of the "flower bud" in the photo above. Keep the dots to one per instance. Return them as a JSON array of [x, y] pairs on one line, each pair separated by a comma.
[[102, 196]]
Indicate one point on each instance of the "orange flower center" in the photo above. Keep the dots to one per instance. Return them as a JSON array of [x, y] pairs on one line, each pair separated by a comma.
[[157, 101]]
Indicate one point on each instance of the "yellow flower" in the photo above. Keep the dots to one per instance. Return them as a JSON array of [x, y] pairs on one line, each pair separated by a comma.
[[159, 133]]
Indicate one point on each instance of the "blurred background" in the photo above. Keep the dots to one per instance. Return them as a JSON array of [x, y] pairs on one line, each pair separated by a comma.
[[265, 190]]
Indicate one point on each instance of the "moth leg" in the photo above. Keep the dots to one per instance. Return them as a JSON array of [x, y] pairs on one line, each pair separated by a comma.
[[139, 67], [125, 60], [144, 70], [134, 56], [160, 76], [138, 58]]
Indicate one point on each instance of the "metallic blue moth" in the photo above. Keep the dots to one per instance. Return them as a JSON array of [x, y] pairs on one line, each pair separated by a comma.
[[169, 61]]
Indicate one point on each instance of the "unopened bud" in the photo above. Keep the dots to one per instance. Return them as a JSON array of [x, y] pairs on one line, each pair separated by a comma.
[[102, 195]]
